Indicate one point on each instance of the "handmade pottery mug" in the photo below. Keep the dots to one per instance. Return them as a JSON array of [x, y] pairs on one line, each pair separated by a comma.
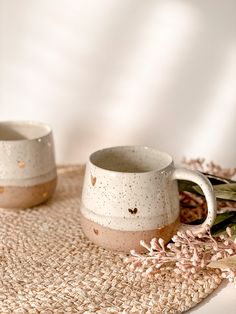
[[130, 193], [27, 164]]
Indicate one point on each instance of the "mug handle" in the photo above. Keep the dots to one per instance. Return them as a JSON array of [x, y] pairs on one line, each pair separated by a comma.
[[205, 185]]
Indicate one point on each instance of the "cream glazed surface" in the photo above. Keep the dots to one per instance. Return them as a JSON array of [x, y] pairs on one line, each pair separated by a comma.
[[27, 154], [131, 193], [27, 168], [138, 200]]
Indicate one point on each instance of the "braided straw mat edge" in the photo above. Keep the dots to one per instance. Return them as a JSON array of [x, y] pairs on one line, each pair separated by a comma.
[[48, 266]]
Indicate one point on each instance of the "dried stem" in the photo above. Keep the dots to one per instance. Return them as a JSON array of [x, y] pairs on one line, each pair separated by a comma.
[[187, 252]]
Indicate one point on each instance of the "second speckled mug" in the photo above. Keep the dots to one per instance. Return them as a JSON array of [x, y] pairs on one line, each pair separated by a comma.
[[130, 194], [27, 164]]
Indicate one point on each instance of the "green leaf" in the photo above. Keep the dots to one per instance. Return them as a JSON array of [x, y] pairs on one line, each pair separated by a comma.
[[223, 191], [233, 229], [184, 185], [229, 262], [222, 217], [233, 219], [222, 229], [223, 221]]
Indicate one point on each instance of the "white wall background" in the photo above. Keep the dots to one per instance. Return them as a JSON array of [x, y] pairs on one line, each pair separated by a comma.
[[103, 73]]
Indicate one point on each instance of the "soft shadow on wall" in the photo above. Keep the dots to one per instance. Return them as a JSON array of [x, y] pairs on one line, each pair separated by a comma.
[[106, 73]]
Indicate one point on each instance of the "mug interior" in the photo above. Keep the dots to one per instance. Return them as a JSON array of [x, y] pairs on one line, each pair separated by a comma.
[[16, 131], [130, 159]]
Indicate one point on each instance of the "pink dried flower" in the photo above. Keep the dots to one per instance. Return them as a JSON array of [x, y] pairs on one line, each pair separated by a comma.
[[187, 252], [201, 164]]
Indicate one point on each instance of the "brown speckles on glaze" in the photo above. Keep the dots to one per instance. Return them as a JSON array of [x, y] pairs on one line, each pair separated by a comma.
[[95, 231], [2, 189], [27, 166], [21, 164], [126, 202], [133, 211], [136, 196], [93, 180], [45, 194]]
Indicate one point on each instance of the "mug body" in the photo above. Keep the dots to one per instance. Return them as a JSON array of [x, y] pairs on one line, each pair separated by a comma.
[[129, 195], [27, 164]]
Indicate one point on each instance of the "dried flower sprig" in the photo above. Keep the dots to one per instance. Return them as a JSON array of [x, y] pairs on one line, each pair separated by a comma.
[[189, 254], [192, 207], [201, 164]]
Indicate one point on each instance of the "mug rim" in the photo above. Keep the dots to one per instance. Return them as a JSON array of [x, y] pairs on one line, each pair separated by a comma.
[[145, 147], [44, 126]]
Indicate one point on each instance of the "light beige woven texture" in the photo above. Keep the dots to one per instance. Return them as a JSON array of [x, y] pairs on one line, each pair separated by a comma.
[[48, 266]]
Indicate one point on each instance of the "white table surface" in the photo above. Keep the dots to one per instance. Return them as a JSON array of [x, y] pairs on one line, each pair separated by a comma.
[[222, 300]]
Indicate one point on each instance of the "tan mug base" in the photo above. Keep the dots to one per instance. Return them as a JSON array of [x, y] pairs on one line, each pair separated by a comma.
[[24, 197], [124, 241]]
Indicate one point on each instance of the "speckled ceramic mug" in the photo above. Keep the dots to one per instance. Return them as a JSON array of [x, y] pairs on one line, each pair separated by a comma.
[[130, 193], [27, 164]]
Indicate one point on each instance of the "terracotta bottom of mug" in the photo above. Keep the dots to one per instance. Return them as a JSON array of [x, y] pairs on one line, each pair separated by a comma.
[[124, 241], [26, 196]]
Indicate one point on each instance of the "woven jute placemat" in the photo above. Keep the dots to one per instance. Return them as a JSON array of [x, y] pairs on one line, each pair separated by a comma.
[[48, 266]]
